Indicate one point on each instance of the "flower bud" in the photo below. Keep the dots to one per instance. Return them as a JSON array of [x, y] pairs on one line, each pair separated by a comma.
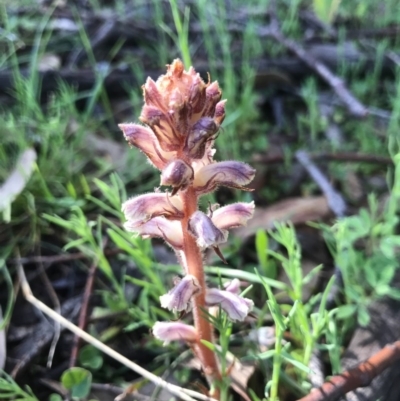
[[202, 132], [178, 174], [231, 174], [235, 306], [142, 208], [175, 331], [232, 216], [178, 299], [179, 112], [213, 96], [233, 286], [145, 140], [204, 230], [169, 230], [219, 114], [197, 96], [152, 96], [160, 123]]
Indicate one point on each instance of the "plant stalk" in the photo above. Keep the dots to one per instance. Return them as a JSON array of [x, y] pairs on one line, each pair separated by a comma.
[[194, 263]]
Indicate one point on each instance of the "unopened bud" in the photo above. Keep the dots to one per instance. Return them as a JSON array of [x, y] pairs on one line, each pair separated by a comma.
[[219, 114], [152, 96], [213, 96], [197, 95], [160, 123]]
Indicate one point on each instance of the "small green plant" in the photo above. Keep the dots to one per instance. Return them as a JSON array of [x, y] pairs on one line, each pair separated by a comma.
[[366, 248], [306, 320], [9, 390]]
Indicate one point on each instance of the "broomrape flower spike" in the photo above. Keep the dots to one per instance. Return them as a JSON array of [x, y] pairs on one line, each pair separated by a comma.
[[181, 119]]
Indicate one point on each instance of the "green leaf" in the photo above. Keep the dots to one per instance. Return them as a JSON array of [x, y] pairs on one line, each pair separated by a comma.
[[77, 381], [363, 316], [345, 311], [55, 397], [295, 362], [267, 354], [91, 357], [261, 243]]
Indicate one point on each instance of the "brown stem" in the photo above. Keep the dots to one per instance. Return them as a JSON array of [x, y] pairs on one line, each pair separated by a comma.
[[194, 263], [360, 376]]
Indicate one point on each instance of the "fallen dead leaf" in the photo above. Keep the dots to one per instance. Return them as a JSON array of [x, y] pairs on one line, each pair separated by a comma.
[[296, 210], [17, 180]]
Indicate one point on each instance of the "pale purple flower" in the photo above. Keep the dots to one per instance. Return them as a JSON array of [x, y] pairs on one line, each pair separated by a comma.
[[174, 331], [229, 174], [142, 208], [234, 215], [233, 286], [169, 230], [177, 174], [145, 140], [235, 306], [204, 230], [178, 299]]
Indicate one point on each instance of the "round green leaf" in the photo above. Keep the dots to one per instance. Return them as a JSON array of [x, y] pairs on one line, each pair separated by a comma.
[[91, 357], [77, 381]]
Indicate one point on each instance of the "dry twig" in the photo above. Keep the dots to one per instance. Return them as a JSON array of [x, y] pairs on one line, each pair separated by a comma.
[[184, 394], [83, 313], [354, 106]]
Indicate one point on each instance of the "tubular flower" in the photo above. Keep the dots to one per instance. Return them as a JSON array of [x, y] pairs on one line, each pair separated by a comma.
[[142, 208], [169, 230], [205, 232], [181, 119], [144, 139], [235, 306], [229, 174], [178, 299], [232, 216], [175, 331], [177, 174], [233, 286]]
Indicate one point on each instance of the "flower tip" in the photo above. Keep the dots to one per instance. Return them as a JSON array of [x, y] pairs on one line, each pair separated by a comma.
[[236, 307], [174, 331], [178, 299]]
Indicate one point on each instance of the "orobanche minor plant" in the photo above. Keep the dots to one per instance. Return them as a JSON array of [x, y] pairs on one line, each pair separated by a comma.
[[182, 116]]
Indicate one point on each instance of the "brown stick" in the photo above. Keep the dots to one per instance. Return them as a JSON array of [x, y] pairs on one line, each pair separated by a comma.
[[361, 376], [194, 264], [334, 198], [354, 106], [82, 321]]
